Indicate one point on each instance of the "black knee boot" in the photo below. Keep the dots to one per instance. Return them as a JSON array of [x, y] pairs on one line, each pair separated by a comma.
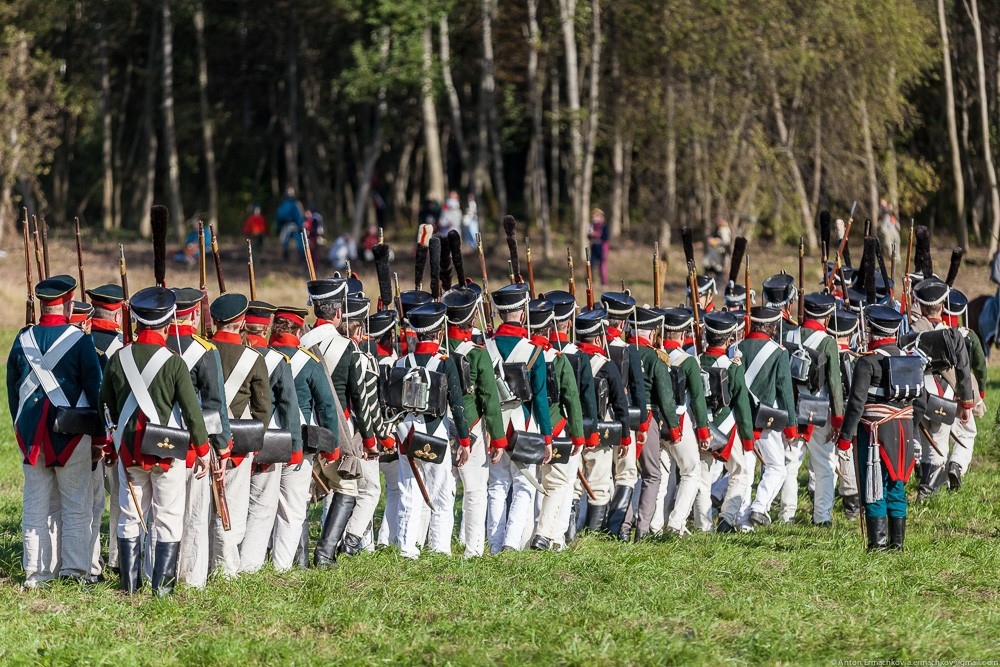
[[574, 516], [165, 567], [931, 479], [351, 545], [129, 564], [852, 506], [333, 530], [877, 533], [302, 552], [897, 532], [596, 516], [618, 509]]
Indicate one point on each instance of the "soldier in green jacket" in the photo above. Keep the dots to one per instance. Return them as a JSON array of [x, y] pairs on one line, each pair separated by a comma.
[[133, 404], [248, 396], [955, 308], [660, 419], [482, 410], [566, 416], [728, 403]]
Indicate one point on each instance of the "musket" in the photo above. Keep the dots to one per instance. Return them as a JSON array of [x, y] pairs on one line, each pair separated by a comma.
[[219, 490], [840, 249], [590, 281], [892, 266], [695, 306], [45, 246], [657, 287], [904, 298], [746, 283], [309, 257], [510, 272], [218, 260], [38, 251], [126, 310], [802, 271], [487, 301], [109, 429], [531, 269], [572, 272], [29, 303], [203, 278], [250, 273], [79, 260], [585, 484], [927, 434]]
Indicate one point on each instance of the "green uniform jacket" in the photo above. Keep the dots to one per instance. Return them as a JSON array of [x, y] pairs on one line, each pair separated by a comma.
[[739, 398], [206, 376], [313, 392], [568, 406], [977, 358], [255, 391], [424, 352], [828, 348], [773, 383], [171, 386], [695, 389], [284, 399], [660, 390], [484, 401]]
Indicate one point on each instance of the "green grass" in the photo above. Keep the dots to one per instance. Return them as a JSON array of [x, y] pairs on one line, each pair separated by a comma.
[[784, 594]]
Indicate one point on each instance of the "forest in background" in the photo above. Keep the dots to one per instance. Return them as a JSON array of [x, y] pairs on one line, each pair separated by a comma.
[[665, 113]]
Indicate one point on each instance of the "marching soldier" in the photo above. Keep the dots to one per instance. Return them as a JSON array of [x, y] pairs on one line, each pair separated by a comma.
[[526, 410], [736, 297], [81, 316], [317, 407], [691, 440], [881, 415], [770, 383], [660, 417], [728, 403], [820, 380], [52, 369], [329, 342], [948, 380], [566, 413], [482, 411], [843, 325], [706, 294], [425, 437], [143, 384], [205, 369], [621, 308], [248, 395], [779, 292], [266, 480], [598, 460], [383, 343]]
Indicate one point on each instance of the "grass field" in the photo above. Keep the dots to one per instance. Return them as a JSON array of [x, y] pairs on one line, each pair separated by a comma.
[[787, 595]]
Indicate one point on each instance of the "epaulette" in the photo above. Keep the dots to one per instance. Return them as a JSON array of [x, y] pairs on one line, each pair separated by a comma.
[[207, 344], [311, 355]]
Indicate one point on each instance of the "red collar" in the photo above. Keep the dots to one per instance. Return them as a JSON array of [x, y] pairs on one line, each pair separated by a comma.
[[284, 340], [815, 325], [709, 308], [52, 320], [715, 352], [320, 322], [844, 347], [542, 342], [879, 342], [590, 348], [458, 333], [559, 337], [383, 351], [100, 324], [639, 340], [427, 347], [181, 330], [513, 330], [227, 337], [256, 341], [757, 335], [614, 333], [950, 320], [149, 337], [671, 344]]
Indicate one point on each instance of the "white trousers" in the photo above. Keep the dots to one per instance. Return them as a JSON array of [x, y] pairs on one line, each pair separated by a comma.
[[97, 491], [505, 527], [566, 507], [475, 476], [848, 484], [110, 485], [707, 467], [417, 523], [687, 457], [57, 518], [369, 493], [192, 568], [598, 464], [265, 489], [292, 510], [224, 554], [161, 494], [740, 467], [772, 450], [557, 480], [388, 533], [928, 452], [961, 451]]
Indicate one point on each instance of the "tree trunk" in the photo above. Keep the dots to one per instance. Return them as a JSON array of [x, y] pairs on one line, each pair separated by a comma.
[[670, 168], [399, 203], [151, 141], [536, 85], [984, 123], [291, 121], [372, 151], [793, 166], [107, 128], [567, 18], [618, 140], [432, 139], [453, 101], [592, 121], [627, 182], [556, 157], [949, 105], [866, 136], [817, 161], [207, 126], [489, 99], [169, 130]]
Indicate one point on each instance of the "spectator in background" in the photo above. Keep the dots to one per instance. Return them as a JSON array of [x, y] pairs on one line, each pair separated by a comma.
[[255, 228], [189, 253], [599, 236], [430, 213], [888, 229], [342, 251], [470, 222], [451, 213], [290, 221], [369, 241]]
